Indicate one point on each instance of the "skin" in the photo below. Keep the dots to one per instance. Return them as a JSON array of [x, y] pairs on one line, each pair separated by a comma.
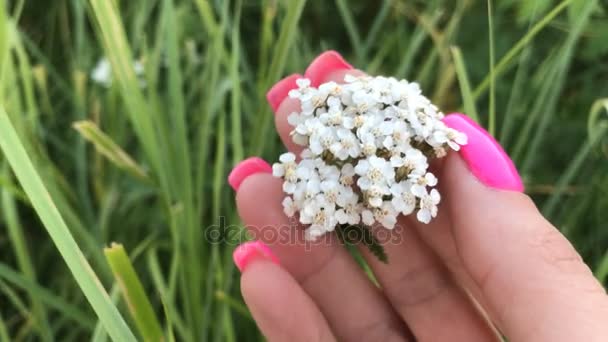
[[489, 262]]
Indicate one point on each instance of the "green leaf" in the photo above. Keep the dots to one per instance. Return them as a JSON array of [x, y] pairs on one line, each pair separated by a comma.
[[133, 293], [109, 149], [49, 215], [47, 297], [465, 87], [356, 234]]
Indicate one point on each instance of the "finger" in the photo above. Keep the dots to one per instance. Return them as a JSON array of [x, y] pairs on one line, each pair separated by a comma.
[[427, 296], [280, 307], [354, 308], [437, 235], [530, 276], [422, 291]]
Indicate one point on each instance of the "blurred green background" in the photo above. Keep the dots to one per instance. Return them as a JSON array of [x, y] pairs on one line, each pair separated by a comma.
[[143, 161]]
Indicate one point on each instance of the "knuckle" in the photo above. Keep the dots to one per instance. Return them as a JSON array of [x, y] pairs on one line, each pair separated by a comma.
[[382, 330], [418, 286], [556, 251]]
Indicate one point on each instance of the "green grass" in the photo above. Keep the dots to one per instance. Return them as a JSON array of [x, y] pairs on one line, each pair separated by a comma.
[[83, 166]]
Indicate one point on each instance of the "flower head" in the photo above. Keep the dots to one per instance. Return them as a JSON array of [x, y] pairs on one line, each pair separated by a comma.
[[367, 147]]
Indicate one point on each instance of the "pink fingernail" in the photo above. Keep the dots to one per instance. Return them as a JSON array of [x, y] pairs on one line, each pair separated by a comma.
[[244, 254], [323, 65], [484, 156], [245, 169], [279, 91]]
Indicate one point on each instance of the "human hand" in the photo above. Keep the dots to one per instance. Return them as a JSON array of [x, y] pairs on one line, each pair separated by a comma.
[[489, 259]]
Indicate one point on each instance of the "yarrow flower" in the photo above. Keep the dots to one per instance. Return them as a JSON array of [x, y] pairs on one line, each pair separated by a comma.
[[367, 147]]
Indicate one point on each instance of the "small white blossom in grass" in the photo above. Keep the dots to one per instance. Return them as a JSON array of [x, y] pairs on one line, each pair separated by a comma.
[[102, 73], [367, 148]]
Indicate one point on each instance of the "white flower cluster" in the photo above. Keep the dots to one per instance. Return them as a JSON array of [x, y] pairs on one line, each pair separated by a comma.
[[367, 143]]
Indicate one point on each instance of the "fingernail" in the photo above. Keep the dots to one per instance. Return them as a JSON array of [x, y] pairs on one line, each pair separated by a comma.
[[279, 91], [245, 169], [323, 65], [244, 254], [485, 157]]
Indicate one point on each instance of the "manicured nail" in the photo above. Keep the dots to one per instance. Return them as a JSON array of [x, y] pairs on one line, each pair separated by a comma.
[[484, 156], [244, 254], [323, 65], [279, 91], [245, 169]]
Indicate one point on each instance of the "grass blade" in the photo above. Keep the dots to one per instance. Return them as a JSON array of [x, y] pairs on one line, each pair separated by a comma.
[[465, 87], [507, 60], [109, 149], [351, 28], [47, 297], [49, 215], [134, 294], [284, 42], [492, 104]]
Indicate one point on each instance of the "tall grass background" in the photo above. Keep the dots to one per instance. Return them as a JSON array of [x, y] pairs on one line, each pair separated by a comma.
[[107, 194]]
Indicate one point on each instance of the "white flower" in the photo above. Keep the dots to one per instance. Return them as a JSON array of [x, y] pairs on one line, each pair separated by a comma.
[[102, 73], [331, 190], [322, 139], [349, 208], [375, 193], [307, 190], [386, 215], [289, 206], [419, 183], [374, 170], [403, 200], [319, 215], [346, 146], [449, 136], [287, 170], [428, 206], [367, 145], [415, 161], [367, 216], [286, 166], [347, 174]]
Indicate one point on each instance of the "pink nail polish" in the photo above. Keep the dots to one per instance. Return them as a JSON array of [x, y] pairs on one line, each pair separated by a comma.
[[280, 90], [247, 168], [248, 251], [323, 65], [484, 156]]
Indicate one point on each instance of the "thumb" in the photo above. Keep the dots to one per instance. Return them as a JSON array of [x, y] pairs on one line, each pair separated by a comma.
[[534, 283]]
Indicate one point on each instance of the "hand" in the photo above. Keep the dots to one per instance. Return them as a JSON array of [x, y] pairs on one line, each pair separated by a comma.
[[488, 261]]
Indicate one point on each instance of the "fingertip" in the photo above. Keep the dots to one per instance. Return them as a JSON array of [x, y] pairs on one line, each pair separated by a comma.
[[484, 156], [246, 168], [248, 252], [325, 64], [280, 90]]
